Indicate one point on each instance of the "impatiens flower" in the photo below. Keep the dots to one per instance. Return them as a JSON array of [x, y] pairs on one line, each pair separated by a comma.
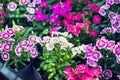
[[31, 10], [5, 36], [50, 46], [10, 31], [24, 2], [107, 74], [12, 6], [101, 43], [7, 47], [97, 19], [33, 52], [5, 56]]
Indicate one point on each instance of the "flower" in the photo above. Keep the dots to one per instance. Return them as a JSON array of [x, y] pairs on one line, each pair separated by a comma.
[[81, 68], [116, 1], [37, 1], [101, 43], [46, 39], [111, 15], [97, 19], [32, 38], [31, 10], [1, 5], [109, 2], [7, 47], [107, 74], [5, 35], [10, 31], [44, 4], [78, 16], [95, 7], [5, 56], [30, 17], [93, 33], [24, 2], [50, 46], [18, 50], [53, 32], [102, 11], [12, 6], [116, 50], [110, 44], [91, 63], [68, 70], [33, 52]]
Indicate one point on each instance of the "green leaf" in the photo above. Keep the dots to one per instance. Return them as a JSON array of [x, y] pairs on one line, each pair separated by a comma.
[[51, 75], [51, 70]]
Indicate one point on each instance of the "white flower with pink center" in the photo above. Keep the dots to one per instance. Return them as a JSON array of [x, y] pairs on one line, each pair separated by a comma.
[[54, 40], [12, 6], [5, 56], [91, 63], [24, 2], [101, 43], [7, 47], [31, 10], [46, 39], [110, 44], [18, 50], [33, 52], [50, 46], [10, 31], [39, 40], [32, 38], [96, 55], [20, 28], [5, 36]]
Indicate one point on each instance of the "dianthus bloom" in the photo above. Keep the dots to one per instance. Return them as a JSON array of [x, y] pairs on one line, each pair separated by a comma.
[[12, 6], [97, 19], [107, 74]]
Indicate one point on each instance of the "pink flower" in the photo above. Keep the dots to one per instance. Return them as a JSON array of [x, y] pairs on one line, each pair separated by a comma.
[[31, 45], [24, 2], [33, 52], [37, 1], [81, 69], [110, 44], [31, 10], [95, 7], [68, 2], [87, 77], [41, 17], [91, 63], [10, 31], [85, 1], [68, 70], [101, 43], [32, 38], [7, 47], [53, 32], [1, 44], [24, 43], [18, 50], [97, 71], [5, 36], [78, 16], [1, 5], [97, 19], [30, 17], [44, 4], [12, 6], [71, 76], [75, 30], [102, 11], [5, 56], [93, 33]]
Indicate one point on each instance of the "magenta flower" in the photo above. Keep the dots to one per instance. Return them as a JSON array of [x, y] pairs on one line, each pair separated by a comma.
[[58, 23], [115, 25], [110, 44], [102, 11], [24, 2], [87, 77], [41, 17], [30, 17], [24, 43], [31, 45], [93, 33], [44, 4], [10, 31], [68, 70], [71, 76], [91, 63], [1, 50], [1, 44], [53, 19], [95, 7], [5, 56], [116, 50], [12, 6], [97, 19], [53, 32], [106, 6], [89, 48], [32, 38], [78, 16], [107, 74], [81, 69], [33, 52], [118, 17], [7, 47], [18, 50], [116, 1], [111, 15], [110, 2], [5, 36], [101, 43]]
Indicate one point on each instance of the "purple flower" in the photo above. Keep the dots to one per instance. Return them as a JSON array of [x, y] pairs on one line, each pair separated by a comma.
[[33, 52], [24, 43], [36, 1], [111, 15], [32, 38], [30, 17], [118, 30], [110, 2], [116, 50], [18, 50], [1, 44], [115, 25], [44, 4], [96, 55], [10, 31], [12, 6], [31, 44], [58, 23], [110, 44], [1, 50], [89, 47], [101, 43], [103, 31], [5, 56], [118, 60], [118, 17], [53, 19], [24, 2], [116, 1], [107, 74], [91, 63], [102, 11], [5, 36], [7, 47]]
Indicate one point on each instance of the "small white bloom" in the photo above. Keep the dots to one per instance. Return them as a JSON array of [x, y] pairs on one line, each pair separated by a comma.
[[12, 6], [62, 39], [50, 46], [74, 51], [54, 40], [46, 39], [31, 10], [70, 36]]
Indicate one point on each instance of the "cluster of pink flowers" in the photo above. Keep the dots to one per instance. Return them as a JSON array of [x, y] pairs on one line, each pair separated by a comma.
[[107, 6], [27, 46], [83, 72]]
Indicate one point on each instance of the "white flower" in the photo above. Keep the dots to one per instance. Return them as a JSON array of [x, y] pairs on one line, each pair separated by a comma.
[[70, 36], [74, 51], [31, 10], [50, 46], [54, 40], [12, 6], [62, 39], [46, 39]]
